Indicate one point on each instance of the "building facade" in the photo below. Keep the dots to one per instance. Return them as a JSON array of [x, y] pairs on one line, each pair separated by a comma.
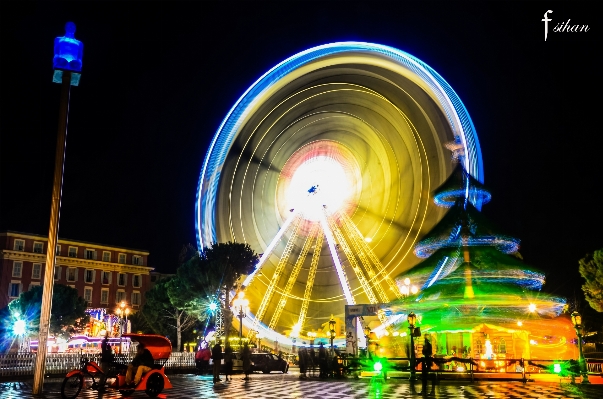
[[103, 275]]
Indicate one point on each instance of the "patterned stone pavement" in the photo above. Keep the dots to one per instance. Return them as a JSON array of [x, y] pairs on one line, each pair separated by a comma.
[[277, 386]]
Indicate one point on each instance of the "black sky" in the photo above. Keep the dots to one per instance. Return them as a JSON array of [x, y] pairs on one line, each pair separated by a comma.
[[158, 78]]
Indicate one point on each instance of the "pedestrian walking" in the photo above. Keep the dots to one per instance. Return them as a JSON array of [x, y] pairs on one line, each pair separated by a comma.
[[228, 361], [202, 358], [106, 362], [303, 362], [322, 361], [246, 357], [427, 360], [216, 356]]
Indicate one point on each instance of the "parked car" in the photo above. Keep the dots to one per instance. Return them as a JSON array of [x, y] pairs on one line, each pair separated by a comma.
[[267, 362]]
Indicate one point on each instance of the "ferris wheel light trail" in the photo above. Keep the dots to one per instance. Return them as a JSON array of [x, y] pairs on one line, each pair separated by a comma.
[[271, 247], [340, 273]]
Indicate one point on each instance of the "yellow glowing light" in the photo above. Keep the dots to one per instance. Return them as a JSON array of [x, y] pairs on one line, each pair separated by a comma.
[[519, 323], [414, 289], [368, 239], [532, 308], [320, 181], [396, 333], [404, 290], [407, 281]]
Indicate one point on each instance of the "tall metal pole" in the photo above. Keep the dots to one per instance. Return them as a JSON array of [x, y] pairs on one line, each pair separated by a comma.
[[53, 232], [412, 353], [581, 361], [240, 326]]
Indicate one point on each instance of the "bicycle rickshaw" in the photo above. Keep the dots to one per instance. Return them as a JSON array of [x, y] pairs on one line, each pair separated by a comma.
[[152, 382]]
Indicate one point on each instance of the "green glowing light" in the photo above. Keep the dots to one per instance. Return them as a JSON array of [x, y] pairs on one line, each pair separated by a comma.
[[377, 366], [557, 368]]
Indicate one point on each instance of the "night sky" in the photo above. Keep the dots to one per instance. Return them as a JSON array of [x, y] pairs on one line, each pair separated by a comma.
[[159, 77]]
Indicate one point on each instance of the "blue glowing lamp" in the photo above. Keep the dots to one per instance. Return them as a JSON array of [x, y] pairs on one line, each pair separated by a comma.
[[19, 327], [68, 52]]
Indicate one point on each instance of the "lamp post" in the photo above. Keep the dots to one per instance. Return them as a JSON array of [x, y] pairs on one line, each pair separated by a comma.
[[408, 289], [19, 327], [241, 303], [332, 331], [577, 321], [67, 64], [122, 311], [412, 319]]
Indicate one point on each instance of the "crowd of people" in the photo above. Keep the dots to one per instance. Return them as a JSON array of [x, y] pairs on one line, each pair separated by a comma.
[[217, 354]]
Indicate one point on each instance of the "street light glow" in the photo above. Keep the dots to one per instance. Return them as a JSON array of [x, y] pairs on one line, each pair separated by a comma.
[[19, 327]]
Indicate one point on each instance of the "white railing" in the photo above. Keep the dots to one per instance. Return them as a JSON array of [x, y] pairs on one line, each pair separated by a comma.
[[21, 364]]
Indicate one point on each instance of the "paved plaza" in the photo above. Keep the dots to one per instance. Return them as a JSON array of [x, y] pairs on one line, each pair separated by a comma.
[[278, 386]]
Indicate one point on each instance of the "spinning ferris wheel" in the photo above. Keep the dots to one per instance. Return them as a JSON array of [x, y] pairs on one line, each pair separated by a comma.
[[325, 166]]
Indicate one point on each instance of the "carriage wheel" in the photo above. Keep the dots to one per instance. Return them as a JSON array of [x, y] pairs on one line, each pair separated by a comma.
[[72, 386], [154, 385]]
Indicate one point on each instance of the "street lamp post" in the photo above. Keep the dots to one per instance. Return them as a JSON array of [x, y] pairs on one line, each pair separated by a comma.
[[19, 327], [408, 289], [412, 319], [67, 64], [577, 321], [123, 313], [332, 331], [241, 303]]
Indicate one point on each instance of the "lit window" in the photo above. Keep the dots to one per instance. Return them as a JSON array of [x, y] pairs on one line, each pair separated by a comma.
[[106, 278], [17, 269], [71, 274], [136, 298], [36, 270], [89, 276], [104, 296], [106, 256], [38, 247], [90, 254], [57, 272], [136, 281], [88, 295], [478, 347], [58, 250], [19, 245], [120, 296], [14, 290], [502, 348], [72, 252], [137, 260], [121, 279], [122, 259]]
